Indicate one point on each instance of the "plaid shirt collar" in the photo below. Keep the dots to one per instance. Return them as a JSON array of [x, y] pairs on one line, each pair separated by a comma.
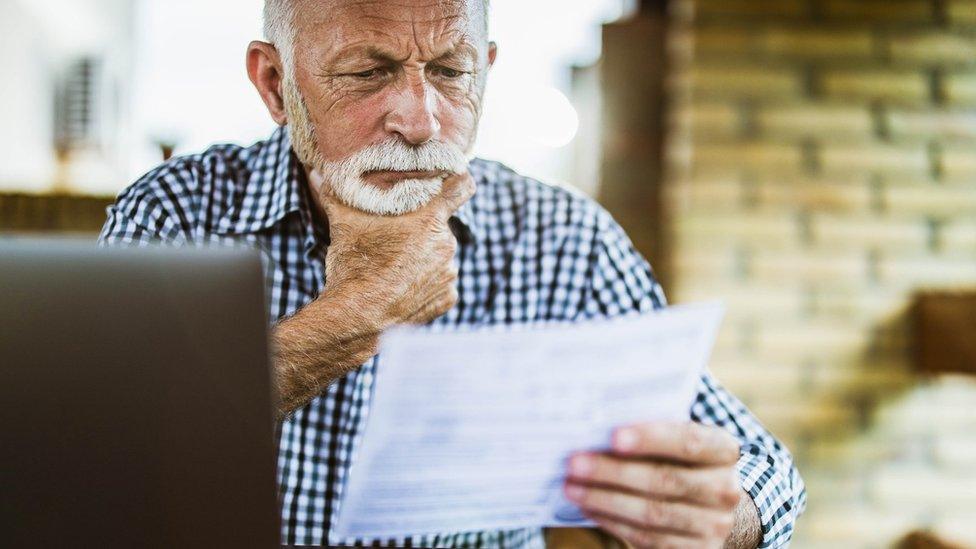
[[278, 185]]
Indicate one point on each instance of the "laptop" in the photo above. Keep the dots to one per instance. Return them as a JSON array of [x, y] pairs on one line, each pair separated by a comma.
[[136, 398]]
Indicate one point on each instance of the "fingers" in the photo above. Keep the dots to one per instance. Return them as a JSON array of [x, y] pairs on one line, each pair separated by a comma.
[[654, 514], [443, 302], [457, 189], [687, 442], [648, 538], [716, 487]]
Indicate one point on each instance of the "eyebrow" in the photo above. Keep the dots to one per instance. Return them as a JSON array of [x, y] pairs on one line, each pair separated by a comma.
[[463, 48]]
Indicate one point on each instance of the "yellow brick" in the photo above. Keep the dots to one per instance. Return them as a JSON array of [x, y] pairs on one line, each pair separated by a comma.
[[913, 11], [712, 195], [870, 85], [707, 119], [843, 268], [754, 379], [836, 122], [927, 271], [727, 342], [814, 194], [928, 124], [750, 300], [703, 264], [800, 340], [959, 164], [748, 155], [677, 159], [750, 8], [680, 44], [960, 88], [932, 48], [806, 416], [725, 41], [870, 305], [745, 82], [866, 380], [962, 11], [931, 199], [832, 231], [768, 229], [817, 43], [875, 159], [830, 451], [833, 488]]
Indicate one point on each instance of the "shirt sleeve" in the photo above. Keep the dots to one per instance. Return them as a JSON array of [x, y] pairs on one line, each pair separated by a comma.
[[146, 213], [623, 281]]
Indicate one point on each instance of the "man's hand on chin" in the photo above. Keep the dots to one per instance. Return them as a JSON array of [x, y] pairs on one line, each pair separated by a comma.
[[666, 484]]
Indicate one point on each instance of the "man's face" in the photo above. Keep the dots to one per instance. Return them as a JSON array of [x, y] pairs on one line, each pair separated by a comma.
[[386, 96]]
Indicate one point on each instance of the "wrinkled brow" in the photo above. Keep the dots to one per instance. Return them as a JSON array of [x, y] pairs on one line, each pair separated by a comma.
[[461, 50]]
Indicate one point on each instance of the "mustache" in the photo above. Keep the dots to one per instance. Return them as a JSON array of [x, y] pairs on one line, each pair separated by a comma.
[[395, 155]]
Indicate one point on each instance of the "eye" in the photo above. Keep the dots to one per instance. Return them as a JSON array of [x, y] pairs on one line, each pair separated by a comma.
[[446, 72], [367, 74]]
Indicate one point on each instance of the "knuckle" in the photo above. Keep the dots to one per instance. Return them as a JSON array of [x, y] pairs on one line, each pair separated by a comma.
[[693, 442], [731, 447], [654, 514], [730, 494], [607, 469], [669, 481]]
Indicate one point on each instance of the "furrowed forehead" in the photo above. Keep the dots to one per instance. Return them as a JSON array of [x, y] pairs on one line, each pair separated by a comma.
[[384, 29], [386, 15]]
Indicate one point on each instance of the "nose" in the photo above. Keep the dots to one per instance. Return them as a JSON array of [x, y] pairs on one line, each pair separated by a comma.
[[413, 115]]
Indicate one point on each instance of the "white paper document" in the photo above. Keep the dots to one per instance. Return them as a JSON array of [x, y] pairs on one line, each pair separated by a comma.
[[470, 429]]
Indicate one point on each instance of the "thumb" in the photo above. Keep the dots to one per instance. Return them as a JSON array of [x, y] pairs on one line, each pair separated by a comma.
[[456, 190]]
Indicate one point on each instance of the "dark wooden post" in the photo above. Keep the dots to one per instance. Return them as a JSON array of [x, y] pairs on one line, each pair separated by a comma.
[[633, 69]]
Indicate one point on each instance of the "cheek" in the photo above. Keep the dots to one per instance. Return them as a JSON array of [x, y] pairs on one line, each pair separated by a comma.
[[347, 124], [458, 115]]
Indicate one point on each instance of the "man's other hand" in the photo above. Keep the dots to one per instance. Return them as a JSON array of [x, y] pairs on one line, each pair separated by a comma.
[[397, 269], [662, 484]]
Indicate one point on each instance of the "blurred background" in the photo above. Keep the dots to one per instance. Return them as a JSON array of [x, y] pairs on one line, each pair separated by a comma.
[[810, 162]]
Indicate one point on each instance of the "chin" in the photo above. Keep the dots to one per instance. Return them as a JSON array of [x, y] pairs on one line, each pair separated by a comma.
[[401, 198]]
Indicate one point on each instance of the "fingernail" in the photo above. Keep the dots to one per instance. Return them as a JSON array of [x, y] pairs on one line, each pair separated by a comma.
[[581, 465], [625, 439], [574, 492]]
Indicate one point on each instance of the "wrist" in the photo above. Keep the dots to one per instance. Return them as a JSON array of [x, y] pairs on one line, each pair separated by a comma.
[[347, 306]]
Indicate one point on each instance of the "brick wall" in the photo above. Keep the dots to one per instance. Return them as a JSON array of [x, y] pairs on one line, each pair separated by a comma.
[[822, 167]]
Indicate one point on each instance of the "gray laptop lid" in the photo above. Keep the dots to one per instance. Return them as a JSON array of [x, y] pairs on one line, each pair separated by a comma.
[[135, 394]]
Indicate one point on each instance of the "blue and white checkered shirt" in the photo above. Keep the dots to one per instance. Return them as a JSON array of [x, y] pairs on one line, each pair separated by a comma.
[[528, 252]]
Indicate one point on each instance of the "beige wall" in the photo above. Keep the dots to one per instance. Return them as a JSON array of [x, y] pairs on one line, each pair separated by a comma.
[[822, 167]]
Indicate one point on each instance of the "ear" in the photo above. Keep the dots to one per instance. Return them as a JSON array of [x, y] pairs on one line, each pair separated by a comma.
[[267, 74], [492, 52]]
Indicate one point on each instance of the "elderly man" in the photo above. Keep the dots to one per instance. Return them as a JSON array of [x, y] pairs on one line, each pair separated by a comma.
[[370, 212]]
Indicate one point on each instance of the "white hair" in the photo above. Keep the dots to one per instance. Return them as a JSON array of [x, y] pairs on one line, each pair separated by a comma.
[[346, 175], [279, 28]]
